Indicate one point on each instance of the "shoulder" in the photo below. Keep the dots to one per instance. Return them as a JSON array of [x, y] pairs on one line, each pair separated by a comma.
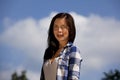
[[75, 52], [74, 49]]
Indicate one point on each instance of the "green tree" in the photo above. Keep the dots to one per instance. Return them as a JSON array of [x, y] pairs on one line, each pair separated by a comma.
[[112, 75], [14, 76], [21, 77]]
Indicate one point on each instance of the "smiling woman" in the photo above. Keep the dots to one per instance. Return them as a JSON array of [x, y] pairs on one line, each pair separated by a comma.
[[62, 60]]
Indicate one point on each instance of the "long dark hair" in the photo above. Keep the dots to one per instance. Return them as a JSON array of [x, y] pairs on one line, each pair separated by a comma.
[[53, 44]]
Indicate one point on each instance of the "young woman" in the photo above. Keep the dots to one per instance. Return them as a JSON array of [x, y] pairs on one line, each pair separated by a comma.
[[62, 60]]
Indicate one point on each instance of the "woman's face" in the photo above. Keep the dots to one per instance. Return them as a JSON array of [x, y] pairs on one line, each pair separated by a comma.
[[60, 29]]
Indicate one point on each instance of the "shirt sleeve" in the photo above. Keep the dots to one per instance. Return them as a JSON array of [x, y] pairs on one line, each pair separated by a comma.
[[74, 64]]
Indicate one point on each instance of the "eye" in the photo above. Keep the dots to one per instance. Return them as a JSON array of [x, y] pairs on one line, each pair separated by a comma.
[[64, 27], [55, 27]]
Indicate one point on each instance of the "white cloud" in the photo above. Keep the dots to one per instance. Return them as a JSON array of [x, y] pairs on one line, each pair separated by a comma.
[[33, 75], [7, 74], [97, 37], [26, 35]]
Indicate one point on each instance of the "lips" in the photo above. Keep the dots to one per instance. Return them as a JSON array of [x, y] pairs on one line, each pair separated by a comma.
[[60, 35]]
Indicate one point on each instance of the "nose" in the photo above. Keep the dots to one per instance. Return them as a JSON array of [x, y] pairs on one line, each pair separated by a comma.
[[59, 29]]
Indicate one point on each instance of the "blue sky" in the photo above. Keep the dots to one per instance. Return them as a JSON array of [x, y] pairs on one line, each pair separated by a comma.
[[23, 35]]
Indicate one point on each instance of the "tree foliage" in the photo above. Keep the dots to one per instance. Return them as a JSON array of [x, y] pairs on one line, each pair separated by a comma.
[[112, 75], [21, 77]]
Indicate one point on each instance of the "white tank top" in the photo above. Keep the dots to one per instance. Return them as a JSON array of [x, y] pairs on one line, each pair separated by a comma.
[[50, 69]]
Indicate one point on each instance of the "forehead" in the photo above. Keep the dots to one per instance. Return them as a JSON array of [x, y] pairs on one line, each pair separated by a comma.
[[60, 21]]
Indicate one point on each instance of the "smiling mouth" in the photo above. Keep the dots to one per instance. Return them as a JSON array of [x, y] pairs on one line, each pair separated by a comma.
[[60, 35]]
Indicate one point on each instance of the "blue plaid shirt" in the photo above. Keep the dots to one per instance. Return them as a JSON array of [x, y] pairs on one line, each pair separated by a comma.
[[69, 63]]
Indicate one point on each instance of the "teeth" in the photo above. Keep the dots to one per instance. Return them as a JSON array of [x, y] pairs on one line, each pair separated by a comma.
[[60, 35]]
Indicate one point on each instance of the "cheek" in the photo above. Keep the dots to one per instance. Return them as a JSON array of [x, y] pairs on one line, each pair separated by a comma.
[[54, 32], [66, 33]]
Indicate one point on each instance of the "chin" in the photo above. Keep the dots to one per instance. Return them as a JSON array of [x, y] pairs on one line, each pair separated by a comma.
[[60, 40]]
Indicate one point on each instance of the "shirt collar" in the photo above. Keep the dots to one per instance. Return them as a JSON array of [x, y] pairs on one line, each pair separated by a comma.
[[69, 44]]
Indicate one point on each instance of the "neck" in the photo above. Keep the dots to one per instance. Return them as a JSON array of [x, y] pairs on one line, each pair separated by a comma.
[[62, 44]]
